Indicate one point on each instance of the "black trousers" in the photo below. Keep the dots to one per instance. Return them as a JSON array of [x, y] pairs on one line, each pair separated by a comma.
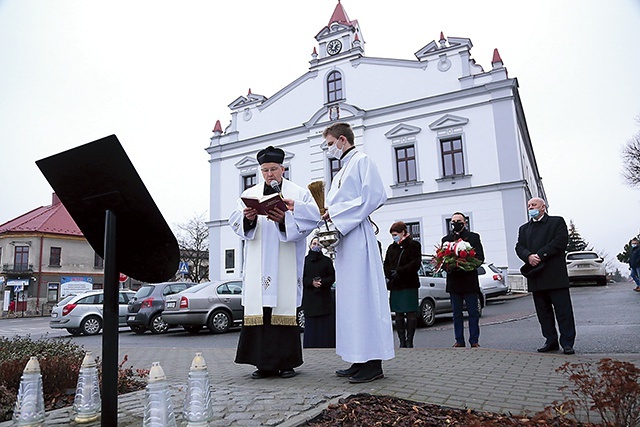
[[270, 347], [556, 301]]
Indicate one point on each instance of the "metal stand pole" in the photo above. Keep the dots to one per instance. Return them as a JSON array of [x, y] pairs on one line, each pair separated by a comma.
[[110, 326]]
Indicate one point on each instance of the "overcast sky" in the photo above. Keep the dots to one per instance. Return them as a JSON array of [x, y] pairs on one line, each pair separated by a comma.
[[159, 73]]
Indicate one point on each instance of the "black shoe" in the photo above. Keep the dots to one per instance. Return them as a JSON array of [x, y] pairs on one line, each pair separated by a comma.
[[351, 371], [262, 373], [287, 373], [549, 347], [370, 371], [568, 350]]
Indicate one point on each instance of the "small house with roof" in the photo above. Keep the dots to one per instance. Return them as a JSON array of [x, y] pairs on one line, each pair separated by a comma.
[[42, 253]]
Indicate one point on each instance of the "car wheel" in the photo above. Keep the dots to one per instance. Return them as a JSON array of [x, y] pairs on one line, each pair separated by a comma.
[[602, 281], [300, 318], [91, 325], [192, 329], [157, 325], [138, 329], [74, 331], [427, 313], [480, 305], [219, 322]]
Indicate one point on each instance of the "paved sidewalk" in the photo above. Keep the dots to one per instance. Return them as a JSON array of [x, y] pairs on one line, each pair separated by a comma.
[[484, 379]]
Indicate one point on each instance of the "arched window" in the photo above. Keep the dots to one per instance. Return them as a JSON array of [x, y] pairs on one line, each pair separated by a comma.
[[334, 86]]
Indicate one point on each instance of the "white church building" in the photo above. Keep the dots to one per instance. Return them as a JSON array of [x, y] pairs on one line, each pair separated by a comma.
[[445, 134]]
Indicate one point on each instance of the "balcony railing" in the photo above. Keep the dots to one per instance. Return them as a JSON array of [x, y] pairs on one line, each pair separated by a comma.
[[17, 268]]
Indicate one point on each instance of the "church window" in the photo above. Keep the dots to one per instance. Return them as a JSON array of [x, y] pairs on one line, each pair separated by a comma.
[[334, 86], [414, 230], [248, 181], [452, 158], [334, 167], [406, 164]]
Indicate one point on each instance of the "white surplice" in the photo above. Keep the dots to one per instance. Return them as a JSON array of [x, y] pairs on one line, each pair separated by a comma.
[[273, 259], [363, 317]]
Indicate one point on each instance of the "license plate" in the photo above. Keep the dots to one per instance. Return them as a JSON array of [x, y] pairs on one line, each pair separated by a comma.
[[171, 304], [584, 266], [131, 318]]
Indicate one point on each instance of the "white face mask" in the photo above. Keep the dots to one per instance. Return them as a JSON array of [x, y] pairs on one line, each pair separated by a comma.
[[333, 152]]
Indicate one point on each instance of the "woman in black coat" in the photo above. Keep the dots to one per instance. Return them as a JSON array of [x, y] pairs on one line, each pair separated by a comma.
[[401, 265], [317, 299]]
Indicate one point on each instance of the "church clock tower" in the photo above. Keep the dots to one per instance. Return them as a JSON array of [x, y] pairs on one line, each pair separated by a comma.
[[340, 38]]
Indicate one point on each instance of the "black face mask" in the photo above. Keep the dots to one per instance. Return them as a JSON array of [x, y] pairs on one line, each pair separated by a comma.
[[457, 226]]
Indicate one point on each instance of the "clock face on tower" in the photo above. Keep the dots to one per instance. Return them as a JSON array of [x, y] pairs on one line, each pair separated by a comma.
[[334, 47]]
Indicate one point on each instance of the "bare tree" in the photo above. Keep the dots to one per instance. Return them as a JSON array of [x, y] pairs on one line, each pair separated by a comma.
[[631, 159], [193, 241]]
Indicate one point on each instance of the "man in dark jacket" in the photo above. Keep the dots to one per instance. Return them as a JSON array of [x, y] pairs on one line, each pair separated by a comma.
[[634, 263], [464, 285], [542, 243]]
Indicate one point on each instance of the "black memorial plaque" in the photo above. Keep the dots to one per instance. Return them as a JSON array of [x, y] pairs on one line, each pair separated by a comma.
[[97, 176]]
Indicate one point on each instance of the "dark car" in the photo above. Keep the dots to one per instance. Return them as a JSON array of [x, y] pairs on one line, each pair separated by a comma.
[[145, 308], [216, 305]]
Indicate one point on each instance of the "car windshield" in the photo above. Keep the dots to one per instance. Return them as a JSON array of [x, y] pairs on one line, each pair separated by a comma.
[[144, 291], [582, 255]]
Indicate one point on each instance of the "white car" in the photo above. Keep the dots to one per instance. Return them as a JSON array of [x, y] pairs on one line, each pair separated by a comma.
[[586, 267], [82, 314]]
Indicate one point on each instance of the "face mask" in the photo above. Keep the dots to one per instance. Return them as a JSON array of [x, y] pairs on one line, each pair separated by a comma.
[[533, 213], [457, 226], [333, 152], [397, 238], [316, 248], [634, 245]]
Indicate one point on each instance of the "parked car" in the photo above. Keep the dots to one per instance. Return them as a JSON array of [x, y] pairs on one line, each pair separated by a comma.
[[145, 308], [585, 267], [215, 305], [433, 298], [82, 313]]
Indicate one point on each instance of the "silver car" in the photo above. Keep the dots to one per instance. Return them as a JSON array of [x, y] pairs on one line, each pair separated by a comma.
[[433, 299], [82, 313], [216, 305]]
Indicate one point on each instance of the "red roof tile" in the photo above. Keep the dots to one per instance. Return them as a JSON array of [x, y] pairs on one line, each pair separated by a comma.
[[53, 219]]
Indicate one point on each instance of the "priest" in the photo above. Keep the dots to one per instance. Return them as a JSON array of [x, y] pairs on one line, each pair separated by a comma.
[[272, 273]]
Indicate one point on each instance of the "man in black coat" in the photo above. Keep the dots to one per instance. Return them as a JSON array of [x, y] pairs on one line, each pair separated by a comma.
[[634, 263], [464, 285], [542, 243]]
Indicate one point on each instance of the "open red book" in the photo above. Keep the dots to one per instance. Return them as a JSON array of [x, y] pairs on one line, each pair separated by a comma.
[[264, 204]]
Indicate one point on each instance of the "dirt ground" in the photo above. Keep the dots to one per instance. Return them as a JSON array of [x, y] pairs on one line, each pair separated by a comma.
[[372, 411]]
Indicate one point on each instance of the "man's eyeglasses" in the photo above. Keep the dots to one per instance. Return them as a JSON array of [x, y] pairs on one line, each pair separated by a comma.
[[272, 170]]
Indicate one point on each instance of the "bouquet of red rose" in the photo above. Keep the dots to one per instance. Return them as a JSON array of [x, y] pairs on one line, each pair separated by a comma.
[[458, 255]]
